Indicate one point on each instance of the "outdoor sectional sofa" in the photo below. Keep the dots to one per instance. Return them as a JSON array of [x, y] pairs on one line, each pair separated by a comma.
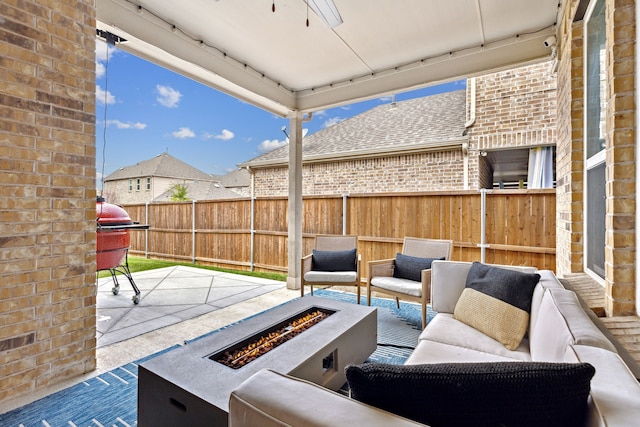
[[556, 358]]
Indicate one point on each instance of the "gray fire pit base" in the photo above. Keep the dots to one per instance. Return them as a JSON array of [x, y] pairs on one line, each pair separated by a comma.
[[184, 387]]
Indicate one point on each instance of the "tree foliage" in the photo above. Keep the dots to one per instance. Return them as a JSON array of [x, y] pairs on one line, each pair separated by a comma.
[[179, 193]]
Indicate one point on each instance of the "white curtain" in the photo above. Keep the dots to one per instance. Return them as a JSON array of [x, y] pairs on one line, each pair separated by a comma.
[[540, 173]]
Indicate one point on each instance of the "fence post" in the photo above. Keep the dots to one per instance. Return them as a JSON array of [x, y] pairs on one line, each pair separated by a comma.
[[483, 224], [193, 231], [344, 213], [252, 236], [146, 232]]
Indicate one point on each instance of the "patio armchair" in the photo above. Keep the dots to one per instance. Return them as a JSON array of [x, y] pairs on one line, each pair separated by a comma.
[[334, 262], [408, 275]]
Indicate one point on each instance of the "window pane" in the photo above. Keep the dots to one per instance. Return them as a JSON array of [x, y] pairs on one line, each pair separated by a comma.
[[596, 74], [596, 219]]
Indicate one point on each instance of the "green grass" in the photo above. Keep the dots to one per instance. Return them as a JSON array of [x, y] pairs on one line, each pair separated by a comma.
[[141, 264]]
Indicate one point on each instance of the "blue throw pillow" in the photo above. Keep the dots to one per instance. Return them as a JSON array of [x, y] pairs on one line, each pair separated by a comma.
[[410, 267], [334, 260]]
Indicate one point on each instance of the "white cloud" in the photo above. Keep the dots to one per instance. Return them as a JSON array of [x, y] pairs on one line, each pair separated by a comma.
[[168, 96], [332, 121], [103, 51], [104, 97], [183, 133], [127, 125], [100, 70], [320, 113], [270, 145], [225, 135]]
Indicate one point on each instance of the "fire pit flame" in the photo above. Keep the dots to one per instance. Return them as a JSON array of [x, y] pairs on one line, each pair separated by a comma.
[[262, 344]]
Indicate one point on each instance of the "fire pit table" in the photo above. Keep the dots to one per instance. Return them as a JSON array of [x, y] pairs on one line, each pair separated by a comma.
[[190, 386]]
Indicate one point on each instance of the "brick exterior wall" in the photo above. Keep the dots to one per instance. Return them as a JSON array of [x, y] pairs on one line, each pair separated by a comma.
[[570, 149], [514, 109], [405, 173], [620, 251], [47, 193], [620, 158]]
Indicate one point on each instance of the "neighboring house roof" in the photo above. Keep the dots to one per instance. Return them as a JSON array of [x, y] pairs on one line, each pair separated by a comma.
[[163, 165], [236, 178], [201, 190], [435, 121]]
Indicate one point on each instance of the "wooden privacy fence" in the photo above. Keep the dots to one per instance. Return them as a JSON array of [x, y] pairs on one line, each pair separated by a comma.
[[251, 234]]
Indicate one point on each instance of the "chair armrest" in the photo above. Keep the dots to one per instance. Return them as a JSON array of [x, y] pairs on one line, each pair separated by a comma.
[[358, 270], [425, 275], [381, 268], [306, 264]]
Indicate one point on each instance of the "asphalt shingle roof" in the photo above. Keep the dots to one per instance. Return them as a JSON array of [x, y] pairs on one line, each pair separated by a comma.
[[431, 119], [163, 165]]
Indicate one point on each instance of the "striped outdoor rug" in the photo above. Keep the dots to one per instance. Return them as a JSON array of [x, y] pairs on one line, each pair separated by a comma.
[[110, 399]]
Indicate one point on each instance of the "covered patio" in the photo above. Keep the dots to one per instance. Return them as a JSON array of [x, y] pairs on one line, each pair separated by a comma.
[[292, 58], [264, 53]]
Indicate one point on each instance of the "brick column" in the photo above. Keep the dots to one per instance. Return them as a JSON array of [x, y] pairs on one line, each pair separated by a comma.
[[620, 157], [47, 193], [570, 147]]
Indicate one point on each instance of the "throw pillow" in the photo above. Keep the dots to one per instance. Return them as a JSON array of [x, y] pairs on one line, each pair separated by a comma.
[[497, 302], [492, 394], [410, 267], [334, 260]]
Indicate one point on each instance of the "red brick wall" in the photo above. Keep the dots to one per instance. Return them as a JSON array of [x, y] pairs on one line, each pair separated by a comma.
[[47, 193]]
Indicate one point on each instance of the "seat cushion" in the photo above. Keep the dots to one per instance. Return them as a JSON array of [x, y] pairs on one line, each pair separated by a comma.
[[330, 276], [405, 286], [466, 341], [334, 260], [563, 322], [410, 267], [497, 301], [477, 394]]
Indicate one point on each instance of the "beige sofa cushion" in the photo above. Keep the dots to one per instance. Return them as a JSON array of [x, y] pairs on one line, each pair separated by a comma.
[[562, 322], [271, 399], [614, 390], [446, 339]]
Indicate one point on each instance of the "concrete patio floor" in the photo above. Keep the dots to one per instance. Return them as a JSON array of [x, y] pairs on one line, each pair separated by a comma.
[[169, 296]]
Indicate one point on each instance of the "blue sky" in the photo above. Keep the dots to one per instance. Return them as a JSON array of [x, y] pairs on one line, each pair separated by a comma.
[[143, 110]]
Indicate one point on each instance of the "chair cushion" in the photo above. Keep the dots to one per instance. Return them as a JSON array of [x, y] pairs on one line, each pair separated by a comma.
[[477, 394], [410, 267], [497, 302], [333, 260], [404, 286], [330, 276]]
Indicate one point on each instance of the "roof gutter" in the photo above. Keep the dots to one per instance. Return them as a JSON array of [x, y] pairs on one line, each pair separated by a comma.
[[446, 145]]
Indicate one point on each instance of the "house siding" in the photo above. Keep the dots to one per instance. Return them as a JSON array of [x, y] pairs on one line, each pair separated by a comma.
[[47, 193]]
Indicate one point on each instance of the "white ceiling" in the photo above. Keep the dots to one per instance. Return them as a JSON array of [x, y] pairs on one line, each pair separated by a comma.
[[273, 60]]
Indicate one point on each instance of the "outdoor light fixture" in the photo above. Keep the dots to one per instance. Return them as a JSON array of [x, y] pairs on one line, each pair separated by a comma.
[[327, 11]]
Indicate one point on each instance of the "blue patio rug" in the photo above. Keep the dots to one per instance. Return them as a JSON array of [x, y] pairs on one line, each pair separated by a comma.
[[110, 399]]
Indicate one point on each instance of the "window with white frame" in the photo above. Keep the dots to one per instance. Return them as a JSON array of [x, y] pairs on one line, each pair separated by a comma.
[[148, 183], [130, 185], [138, 184], [595, 102]]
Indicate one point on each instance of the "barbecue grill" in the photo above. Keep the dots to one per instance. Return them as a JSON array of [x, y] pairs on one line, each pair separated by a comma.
[[112, 243]]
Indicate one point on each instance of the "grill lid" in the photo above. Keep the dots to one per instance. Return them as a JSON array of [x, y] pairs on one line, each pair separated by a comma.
[[110, 214]]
